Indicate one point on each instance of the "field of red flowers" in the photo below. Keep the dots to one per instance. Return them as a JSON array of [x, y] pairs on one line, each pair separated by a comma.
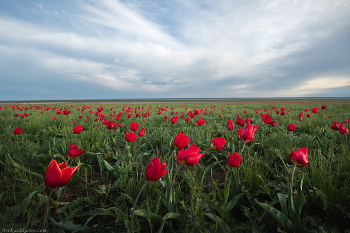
[[176, 167]]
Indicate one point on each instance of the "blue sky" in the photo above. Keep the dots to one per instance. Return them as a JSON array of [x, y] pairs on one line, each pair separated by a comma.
[[112, 49]]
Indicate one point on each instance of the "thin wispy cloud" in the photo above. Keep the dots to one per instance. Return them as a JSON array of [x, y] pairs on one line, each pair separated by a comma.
[[148, 49]]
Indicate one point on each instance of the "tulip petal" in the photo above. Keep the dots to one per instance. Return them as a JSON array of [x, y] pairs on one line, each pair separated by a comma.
[[66, 175], [53, 175]]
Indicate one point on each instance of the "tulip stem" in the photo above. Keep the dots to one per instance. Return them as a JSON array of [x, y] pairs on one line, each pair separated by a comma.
[[291, 181], [11, 139], [47, 205], [137, 145], [124, 152], [133, 209], [172, 184], [207, 150], [243, 148]]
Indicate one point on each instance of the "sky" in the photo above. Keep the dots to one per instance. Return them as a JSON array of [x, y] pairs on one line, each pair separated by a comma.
[[130, 49]]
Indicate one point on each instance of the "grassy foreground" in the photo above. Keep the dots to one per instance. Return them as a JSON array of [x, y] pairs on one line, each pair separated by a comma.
[[207, 197]]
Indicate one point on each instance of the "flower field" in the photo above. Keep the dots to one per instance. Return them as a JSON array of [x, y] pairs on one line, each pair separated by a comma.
[[176, 167]]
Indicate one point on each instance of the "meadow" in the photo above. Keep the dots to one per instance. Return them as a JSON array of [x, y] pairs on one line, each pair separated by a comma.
[[114, 184]]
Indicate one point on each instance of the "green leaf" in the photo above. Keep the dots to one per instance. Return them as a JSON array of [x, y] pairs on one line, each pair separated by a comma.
[[279, 217], [145, 214], [128, 226], [16, 165], [299, 201], [207, 169], [173, 215], [283, 201], [221, 224], [110, 169], [68, 226], [233, 202], [100, 163]]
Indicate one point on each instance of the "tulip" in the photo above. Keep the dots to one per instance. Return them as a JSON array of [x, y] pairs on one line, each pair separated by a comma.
[[305, 110], [344, 131], [291, 127], [58, 175], [77, 129], [111, 125], [218, 143], [234, 160], [190, 156], [155, 170], [18, 130], [73, 151], [165, 117], [239, 132], [142, 132], [300, 119], [266, 119], [134, 126], [323, 106], [130, 137], [308, 115], [187, 119], [299, 157], [174, 119], [335, 126], [314, 110], [229, 125], [181, 141], [247, 134], [273, 123], [200, 122]]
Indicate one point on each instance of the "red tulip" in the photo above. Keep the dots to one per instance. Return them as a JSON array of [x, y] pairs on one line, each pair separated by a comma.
[[165, 117], [181, 141], [314, 110], [266, 119], [245, 111], [200, 122], [308, 115], [299, 157], [111, 125], [305, 110], [142, 132], [234, 160], [134, 126], [247, 134], [77, 129], [273, 107], [73, 151], [343, 131], [190, 156], [58, 175], [291, 127], [187, 119], [273, 123], [239, 132], [229, 125], [277, 112], [130, 137], [18, 130], [218, 143], [155, 170], [323, 106], [300, 119], [335, 126], [174, 119]]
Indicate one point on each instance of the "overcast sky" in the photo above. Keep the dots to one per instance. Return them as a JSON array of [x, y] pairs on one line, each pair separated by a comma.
[[110, 49]]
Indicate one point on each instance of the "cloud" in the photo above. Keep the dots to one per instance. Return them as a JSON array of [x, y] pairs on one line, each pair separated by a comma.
[[182, 48]]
